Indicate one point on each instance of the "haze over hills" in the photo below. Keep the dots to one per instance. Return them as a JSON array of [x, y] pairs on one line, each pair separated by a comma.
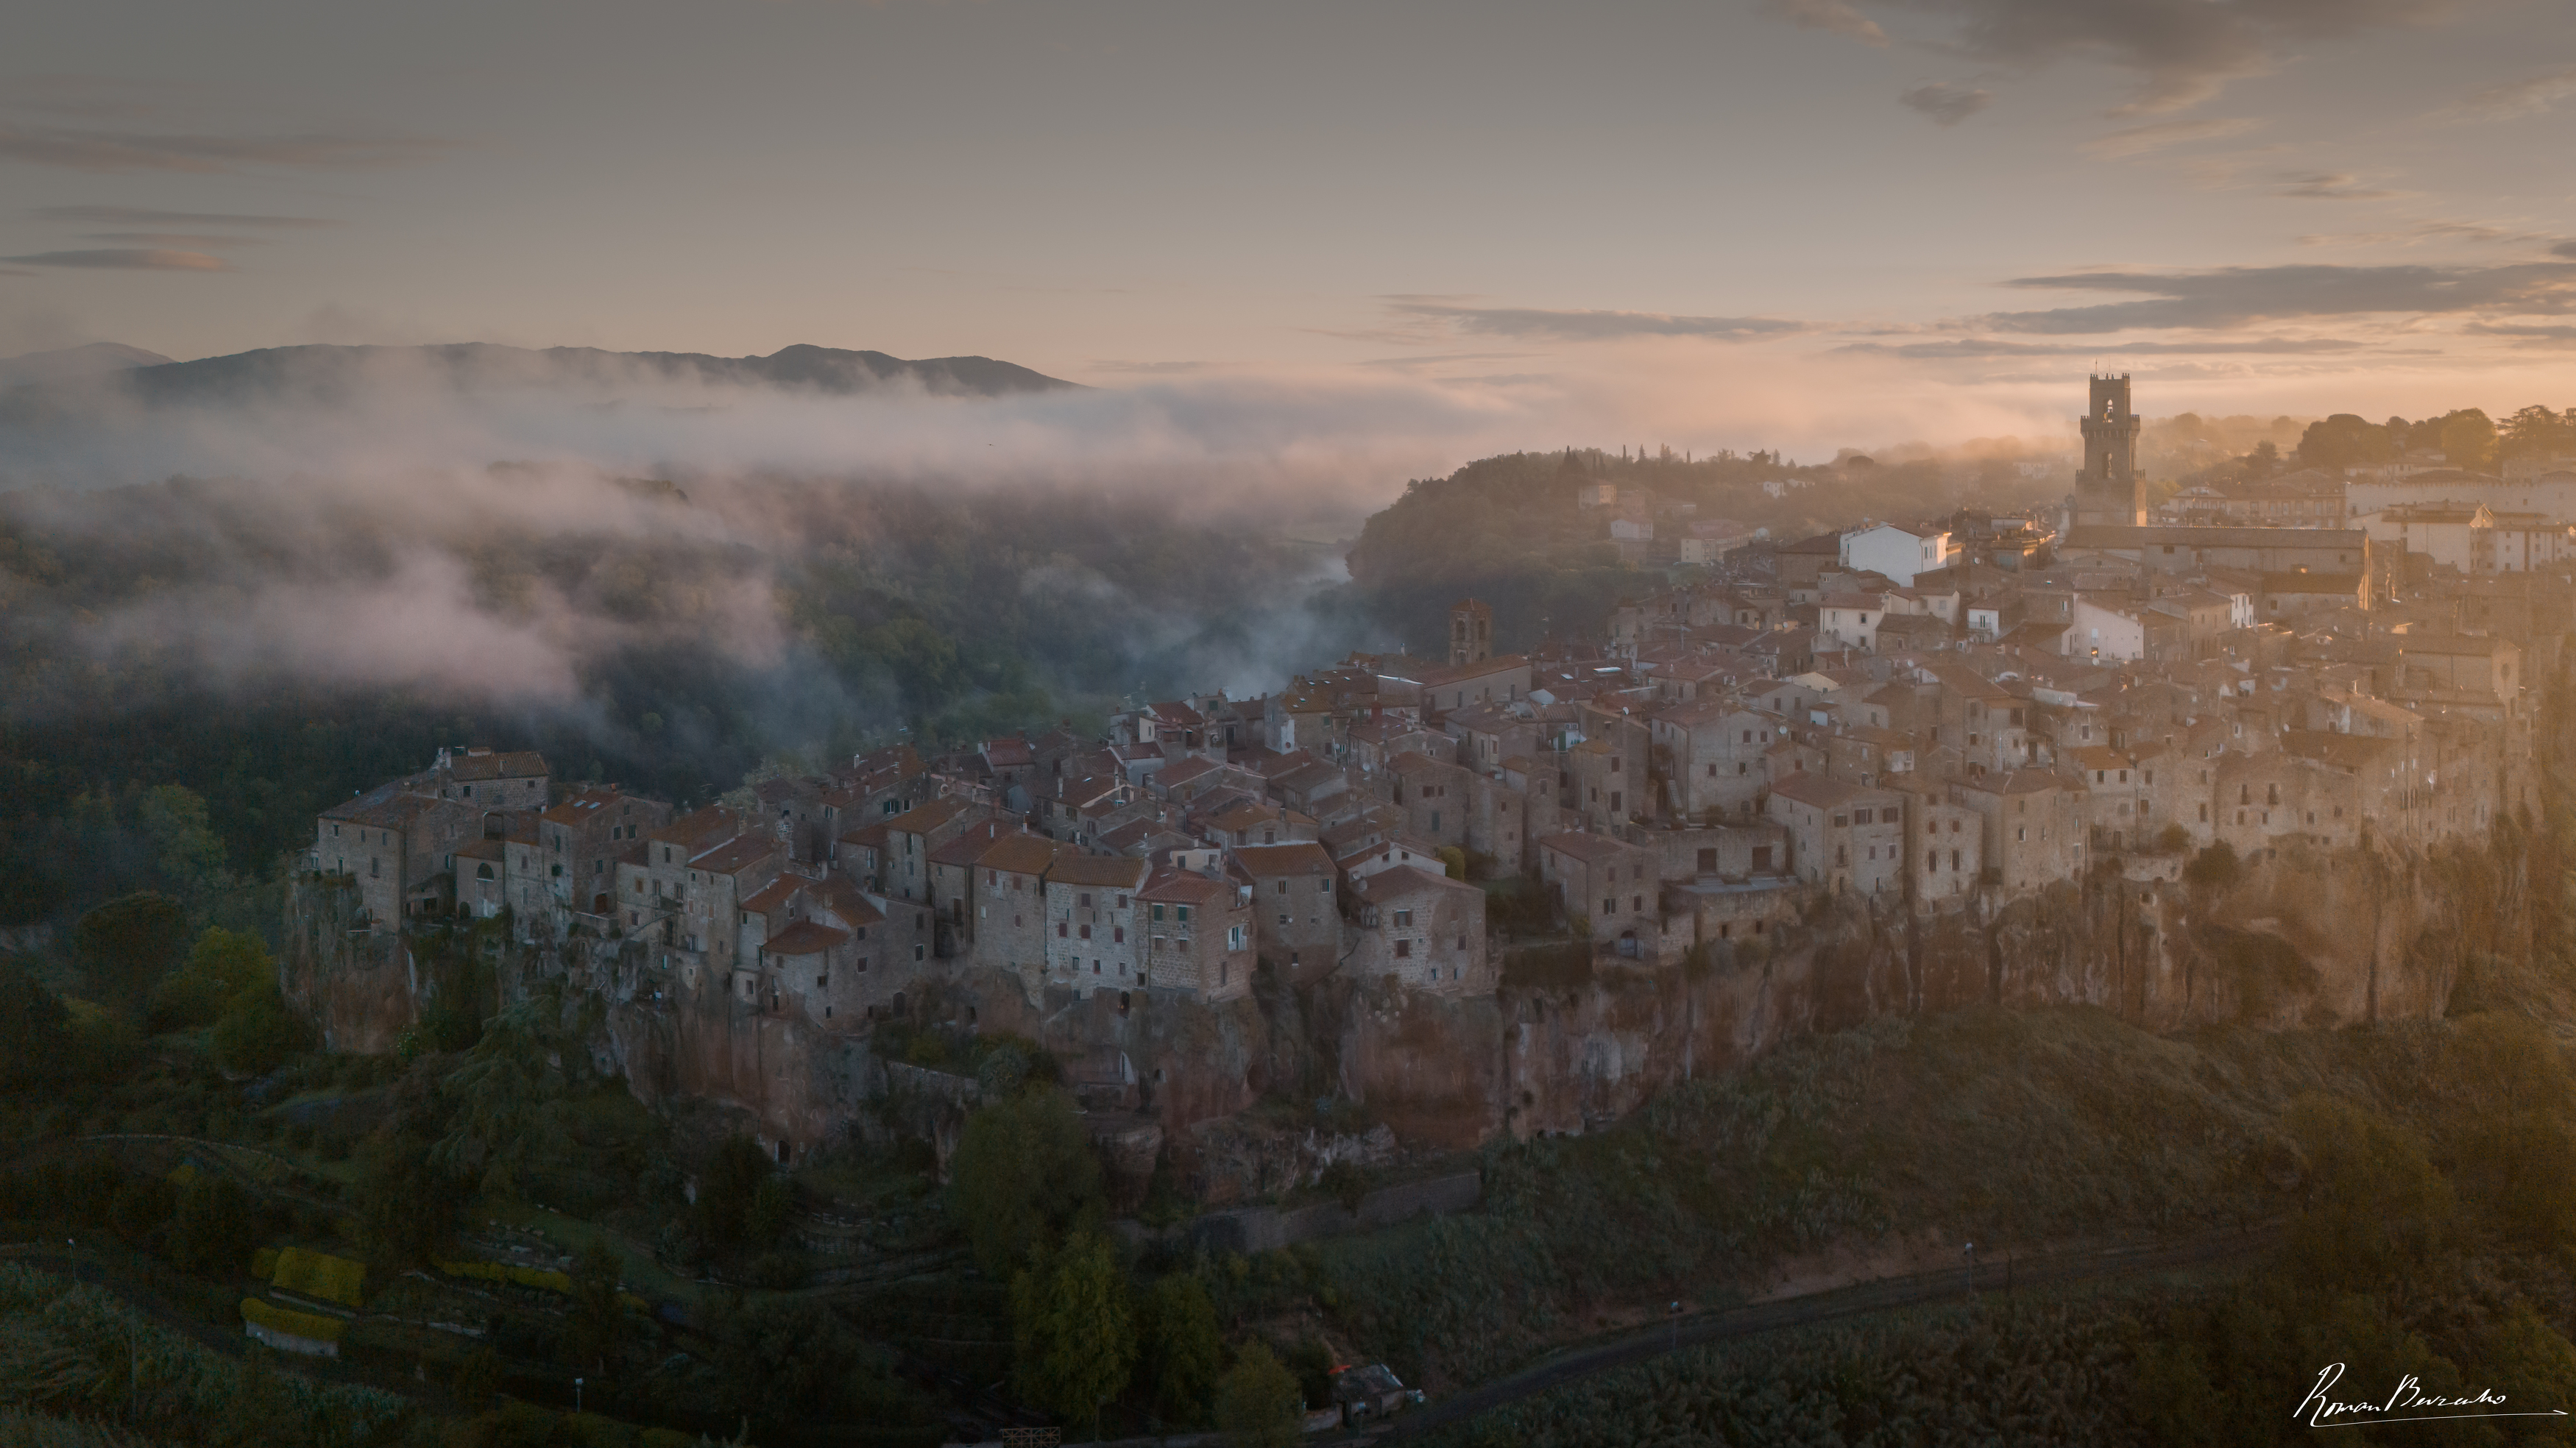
[[327, 373], [75, 364]]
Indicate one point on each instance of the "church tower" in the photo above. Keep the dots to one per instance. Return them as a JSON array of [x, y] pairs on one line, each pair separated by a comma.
[[1471, 632], [2109, 489]]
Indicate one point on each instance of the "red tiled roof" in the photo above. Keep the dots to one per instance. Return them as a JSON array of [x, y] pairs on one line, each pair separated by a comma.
[[805, 937]]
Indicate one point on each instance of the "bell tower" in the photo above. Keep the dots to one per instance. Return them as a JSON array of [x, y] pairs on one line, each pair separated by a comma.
[[1471, 632], [2109, 489]]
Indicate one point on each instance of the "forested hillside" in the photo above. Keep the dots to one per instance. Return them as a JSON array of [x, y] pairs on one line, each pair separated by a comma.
[[1509, 529]]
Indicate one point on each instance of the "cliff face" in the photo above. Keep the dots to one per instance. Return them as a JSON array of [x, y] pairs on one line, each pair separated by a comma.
[[360, 989], [2298, 938], [2301, 938]]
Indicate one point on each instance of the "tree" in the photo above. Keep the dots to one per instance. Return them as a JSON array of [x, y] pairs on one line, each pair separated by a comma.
[[598, 1318], [1183, 1345], [2344, 440], [730, 1188], [257, 1032], [1072, 1330], [2468, 439], [126, 945], [191, 854], [222, 965], [2374, 1206], [2537, 432], [2214, 868], [407, 1202], [35, 1029], [212, 1230], [1023, 1178], [1257, 1404], [506, 1097]]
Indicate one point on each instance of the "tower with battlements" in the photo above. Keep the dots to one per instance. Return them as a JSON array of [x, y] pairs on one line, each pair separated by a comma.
[[2109, 489]]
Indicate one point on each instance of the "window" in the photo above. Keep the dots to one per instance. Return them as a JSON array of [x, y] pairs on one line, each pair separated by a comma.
[[1234, 937], [1403, 949], [1158, 910], [1609, 906], [1185, 914]]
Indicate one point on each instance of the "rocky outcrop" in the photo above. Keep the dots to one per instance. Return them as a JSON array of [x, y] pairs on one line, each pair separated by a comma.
[[2298, 937], [360, 988], [2301, 938]]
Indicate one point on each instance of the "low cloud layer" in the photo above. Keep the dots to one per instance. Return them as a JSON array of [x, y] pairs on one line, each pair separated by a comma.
[[2229, 297], [1592, 326], [124, 258], [108, 152], [1991, 347], [147, 216]]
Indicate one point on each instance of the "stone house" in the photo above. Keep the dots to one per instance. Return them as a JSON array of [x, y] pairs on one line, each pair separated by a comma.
[[1842, 836], [1435, 797], [1608, 785], [1615, 885], [2033, 825], [1008, 882], [1091, 914], [1732, 852], [398, 842], [1296, 919], [482, 878], [1198, 936], [1945, 853], [1713, 756], [580, 840], [1358, 863], [490, 779], [910, 837], [1424, 929]]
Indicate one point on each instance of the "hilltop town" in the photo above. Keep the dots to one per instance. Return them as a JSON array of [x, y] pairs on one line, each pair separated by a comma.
[[1924, 726]]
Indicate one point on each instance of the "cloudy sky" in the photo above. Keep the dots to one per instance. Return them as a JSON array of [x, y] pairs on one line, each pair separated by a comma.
[[1927, 217]]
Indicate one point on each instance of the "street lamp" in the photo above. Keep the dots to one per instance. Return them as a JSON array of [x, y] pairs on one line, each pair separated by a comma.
[[576, 1397]]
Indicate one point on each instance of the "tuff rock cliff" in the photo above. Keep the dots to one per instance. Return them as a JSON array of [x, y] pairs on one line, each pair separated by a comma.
[[2295, 937]]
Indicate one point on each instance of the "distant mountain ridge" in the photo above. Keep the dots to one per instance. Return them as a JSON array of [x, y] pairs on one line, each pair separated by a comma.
[[74, 364], [326, 373]]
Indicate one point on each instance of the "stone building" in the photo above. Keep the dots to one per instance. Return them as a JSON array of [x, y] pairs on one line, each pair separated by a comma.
[[1603, 879], [1424, 929], [1841, 836], [1091, 914], [1198, 936], [1296, 921]]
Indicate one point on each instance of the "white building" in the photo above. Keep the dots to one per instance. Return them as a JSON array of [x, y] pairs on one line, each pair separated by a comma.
[[2551, 495], [2106, 634], [1899, 553]]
